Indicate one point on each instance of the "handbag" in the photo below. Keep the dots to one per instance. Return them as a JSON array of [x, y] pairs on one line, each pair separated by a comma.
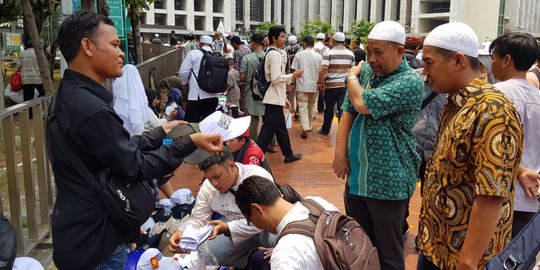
[[520, 253], [129, 204]]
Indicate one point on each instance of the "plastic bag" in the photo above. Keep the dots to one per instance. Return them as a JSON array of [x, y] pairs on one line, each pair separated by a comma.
[[16, 81], [288, 119]]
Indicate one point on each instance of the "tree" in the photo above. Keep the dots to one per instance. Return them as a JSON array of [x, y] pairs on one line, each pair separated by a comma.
[[263, 27], [10, 11], [360, 29], [314, 27], [30, 23], [135, 7]]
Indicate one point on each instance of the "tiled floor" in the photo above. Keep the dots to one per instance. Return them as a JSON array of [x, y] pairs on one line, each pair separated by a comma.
[[313, 175]]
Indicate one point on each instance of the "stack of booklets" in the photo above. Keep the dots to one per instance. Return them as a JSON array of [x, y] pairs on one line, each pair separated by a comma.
[[193, 237]]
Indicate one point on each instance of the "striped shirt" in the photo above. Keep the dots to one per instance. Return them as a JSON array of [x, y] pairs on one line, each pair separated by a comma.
[[338, 60]]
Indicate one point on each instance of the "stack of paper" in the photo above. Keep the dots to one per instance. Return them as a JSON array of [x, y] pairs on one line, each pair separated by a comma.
[[192, 237]]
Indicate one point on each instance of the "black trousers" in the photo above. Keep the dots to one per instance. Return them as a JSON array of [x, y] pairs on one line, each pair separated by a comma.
[[28, 91], [197, 110], [383, 222], [331, 97], [274, 124], [520, 220], [320, 103], [425, 264]]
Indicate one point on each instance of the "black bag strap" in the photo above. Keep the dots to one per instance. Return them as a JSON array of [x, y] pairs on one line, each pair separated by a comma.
[[71, 157], [205, 55], [428, 99]]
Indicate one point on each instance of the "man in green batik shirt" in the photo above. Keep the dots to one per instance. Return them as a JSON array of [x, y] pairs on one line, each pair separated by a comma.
[[376, 147]]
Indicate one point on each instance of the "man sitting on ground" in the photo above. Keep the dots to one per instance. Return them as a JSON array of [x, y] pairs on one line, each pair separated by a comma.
[[261, 203], [232, 238]]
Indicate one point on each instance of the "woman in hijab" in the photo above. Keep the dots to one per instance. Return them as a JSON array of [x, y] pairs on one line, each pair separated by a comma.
[[173, 109]]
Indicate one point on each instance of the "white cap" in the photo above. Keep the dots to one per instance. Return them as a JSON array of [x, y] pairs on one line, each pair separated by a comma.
[[153, 259], [206, 40], [484, 48], [292, 40], [224, 125], [26, 263], [339, 37], [156, 35], [321, 36], [456, 37], [388, 31], [182, 196]]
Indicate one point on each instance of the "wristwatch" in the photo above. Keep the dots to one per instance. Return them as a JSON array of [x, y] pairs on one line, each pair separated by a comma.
[[350, 78]]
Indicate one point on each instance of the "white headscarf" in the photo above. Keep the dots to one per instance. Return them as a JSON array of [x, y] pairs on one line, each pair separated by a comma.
[[130, 101]]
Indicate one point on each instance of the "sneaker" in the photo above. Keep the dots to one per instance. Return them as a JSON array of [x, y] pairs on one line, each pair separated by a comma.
[[293, 158], [322, 132], [304, 134]]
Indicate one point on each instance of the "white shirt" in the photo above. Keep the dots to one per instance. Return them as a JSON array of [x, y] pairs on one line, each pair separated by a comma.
[[296, 251], [193, 62], [526, 99], [320, 48], [210, 199], [153, 121], [310, 62], [274, 71]]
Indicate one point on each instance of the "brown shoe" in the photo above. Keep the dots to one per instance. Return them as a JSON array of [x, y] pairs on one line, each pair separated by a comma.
[[304, 134]]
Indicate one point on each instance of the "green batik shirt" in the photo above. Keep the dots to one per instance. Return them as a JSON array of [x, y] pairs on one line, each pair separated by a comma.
[[382, 147]]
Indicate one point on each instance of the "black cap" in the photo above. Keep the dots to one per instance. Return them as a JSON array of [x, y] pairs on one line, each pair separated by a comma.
[[236, 40]]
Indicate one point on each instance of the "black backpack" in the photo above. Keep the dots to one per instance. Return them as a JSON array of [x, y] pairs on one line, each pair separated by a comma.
[[213, 73], [259, 85]]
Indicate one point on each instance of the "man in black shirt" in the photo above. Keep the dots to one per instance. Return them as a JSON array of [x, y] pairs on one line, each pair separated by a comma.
[[84, 236]]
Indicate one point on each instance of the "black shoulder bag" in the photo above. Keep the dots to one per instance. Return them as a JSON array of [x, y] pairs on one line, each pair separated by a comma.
[[129, 204]]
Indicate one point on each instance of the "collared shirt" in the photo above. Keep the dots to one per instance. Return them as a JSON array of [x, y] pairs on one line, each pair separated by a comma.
[[310, 62], [239, 55], [189, 70], [83, 233], [210, 200], [477, 153], [296, 251], [526, 98], [427, 124], [274, 70], [29, 67], [250, 63], [338, 60], [382, 147]]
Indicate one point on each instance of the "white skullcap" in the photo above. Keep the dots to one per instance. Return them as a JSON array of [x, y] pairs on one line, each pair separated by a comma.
[[389, 31], [456, 37], [321, 36], [292, 40], [484, 48], [339, 37], [205, 40], [156, 35]]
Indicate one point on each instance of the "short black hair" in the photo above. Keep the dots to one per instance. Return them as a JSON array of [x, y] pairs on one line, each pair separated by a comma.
[[256, 189], [522, 47], [75, 27], [309, 41], [474, 62], [274, 32], [220, 158]]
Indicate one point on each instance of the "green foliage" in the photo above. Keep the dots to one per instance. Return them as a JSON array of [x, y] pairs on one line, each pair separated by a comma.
[[135, 7], [360, 29], [315, 27], [10, 11], [263, 27], [49, 33]]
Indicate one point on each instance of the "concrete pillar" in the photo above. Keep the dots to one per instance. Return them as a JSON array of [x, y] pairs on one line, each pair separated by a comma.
[[390, 10], [287, 15], [313, 9], [324, 10], [209, 12], [348, 17], [298, 10], [362, 9], [227, 19], [532, 12], [277, 11], [233, 18], [247, 14], [415, 12], [336, 17], [170, 12], [267, 10], [405, 14], [190, 9], [375, 15]]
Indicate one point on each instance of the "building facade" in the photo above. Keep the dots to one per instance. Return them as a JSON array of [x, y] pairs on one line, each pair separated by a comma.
[[489, 18]]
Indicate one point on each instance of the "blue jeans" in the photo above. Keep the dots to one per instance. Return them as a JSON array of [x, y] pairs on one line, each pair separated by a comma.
[[115, 261]]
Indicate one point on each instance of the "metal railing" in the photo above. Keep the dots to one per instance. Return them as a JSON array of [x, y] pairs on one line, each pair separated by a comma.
[[166, 65], [26, 193]]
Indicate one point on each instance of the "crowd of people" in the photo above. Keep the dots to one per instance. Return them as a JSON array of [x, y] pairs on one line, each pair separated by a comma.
[[408, 109]]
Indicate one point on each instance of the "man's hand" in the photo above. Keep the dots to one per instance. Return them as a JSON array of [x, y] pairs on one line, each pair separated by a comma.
[[321, 88], [220, 227], [174, 242], [288, 104], [355, 71], [208, 142], [267, 252], [341, 165], [172, 124], [298, 73], [530, 180]]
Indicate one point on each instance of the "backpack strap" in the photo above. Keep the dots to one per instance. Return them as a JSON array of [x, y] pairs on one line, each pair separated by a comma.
[[307, 226], [205, 55], [428, 99]]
